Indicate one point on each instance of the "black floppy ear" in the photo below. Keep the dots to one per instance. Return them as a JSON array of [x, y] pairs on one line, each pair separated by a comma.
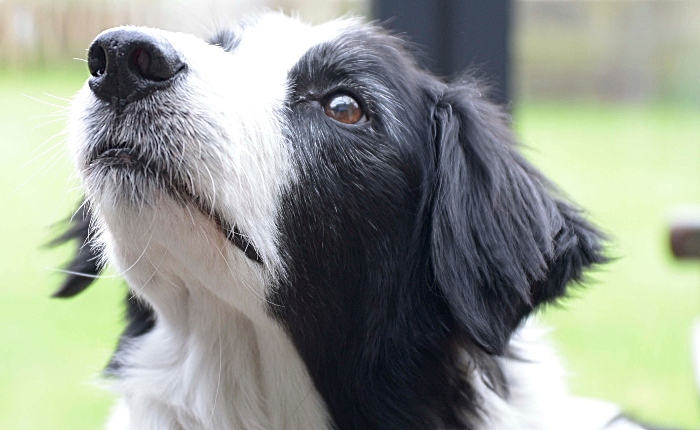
[[83, 268], [503, 241]]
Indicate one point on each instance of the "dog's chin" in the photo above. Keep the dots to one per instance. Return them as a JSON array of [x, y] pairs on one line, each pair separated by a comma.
[[132, 179], [132, 182], [124, 180]]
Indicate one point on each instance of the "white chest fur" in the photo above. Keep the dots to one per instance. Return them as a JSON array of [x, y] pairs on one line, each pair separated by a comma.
[[219, 370]]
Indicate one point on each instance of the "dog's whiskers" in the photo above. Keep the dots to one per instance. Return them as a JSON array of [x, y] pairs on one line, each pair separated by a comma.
[[41, 170], [57, 97], [64, 108]]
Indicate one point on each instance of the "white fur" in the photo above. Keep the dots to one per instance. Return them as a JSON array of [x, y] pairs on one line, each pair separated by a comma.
[[215, 358]]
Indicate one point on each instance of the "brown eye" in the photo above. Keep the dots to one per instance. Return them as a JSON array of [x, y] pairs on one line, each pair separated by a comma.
[[343, 108]]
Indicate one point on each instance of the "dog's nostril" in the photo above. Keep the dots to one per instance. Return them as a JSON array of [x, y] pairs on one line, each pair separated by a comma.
[[141, 60], [128, 64], [97, 61]]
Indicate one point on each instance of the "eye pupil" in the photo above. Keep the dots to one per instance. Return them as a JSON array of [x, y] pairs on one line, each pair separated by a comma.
[[344, 108]]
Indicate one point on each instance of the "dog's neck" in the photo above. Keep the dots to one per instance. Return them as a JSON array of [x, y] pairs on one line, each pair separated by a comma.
[[211, 366], [215, 358]]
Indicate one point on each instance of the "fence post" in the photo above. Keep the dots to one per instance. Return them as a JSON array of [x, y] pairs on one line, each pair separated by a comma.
[[455, 35]]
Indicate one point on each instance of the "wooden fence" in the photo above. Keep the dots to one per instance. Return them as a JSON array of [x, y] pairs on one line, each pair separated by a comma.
[[632, 50]]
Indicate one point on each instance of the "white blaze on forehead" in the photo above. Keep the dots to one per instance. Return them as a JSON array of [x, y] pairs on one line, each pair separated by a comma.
[[243, 93], [275, 43]]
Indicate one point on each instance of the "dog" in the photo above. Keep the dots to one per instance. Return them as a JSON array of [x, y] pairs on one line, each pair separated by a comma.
[[319, 234]]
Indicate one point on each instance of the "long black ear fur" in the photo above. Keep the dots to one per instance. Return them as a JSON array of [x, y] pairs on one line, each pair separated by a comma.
[[503, 241], [83, 268]]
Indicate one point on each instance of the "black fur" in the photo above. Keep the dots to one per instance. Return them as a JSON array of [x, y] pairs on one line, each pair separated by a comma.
[[411, 237], [83, 268], [502, 242], [140, 320]]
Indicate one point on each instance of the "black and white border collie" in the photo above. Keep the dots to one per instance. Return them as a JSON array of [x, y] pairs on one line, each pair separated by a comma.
[[318, 234]]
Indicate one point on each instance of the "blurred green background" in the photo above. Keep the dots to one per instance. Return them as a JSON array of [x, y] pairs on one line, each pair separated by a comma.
[[628, 156]]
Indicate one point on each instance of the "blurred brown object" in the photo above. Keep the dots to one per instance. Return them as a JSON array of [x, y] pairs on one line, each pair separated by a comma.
[[685, 234]]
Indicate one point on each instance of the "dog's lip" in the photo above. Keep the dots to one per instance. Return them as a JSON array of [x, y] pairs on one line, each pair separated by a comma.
[[117, 152], [115, 155], [124, 156], [118, 155]]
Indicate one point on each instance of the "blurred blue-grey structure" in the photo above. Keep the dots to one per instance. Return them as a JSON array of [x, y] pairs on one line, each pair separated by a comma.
[[456, 35]]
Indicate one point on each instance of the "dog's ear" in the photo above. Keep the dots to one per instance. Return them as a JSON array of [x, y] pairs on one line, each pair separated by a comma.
[[503, 241], [83, 269]]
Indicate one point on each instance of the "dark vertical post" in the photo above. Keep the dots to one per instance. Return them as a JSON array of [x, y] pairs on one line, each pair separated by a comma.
[[456, 35]]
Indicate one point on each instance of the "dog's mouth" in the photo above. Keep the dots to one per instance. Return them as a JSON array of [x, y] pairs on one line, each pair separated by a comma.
[[119, 157], [130, 158]]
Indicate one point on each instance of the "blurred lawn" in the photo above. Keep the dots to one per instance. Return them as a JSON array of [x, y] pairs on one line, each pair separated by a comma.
[[52, 350], [625, 338]]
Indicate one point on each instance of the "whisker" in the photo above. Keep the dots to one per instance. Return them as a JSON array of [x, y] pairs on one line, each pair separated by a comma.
[[51, 160], [50, 148], [155, 270], [57, 97], [45, 102], [145, 248], [51, 115], [248, 287], [85, 275], [72, 272], [60, 155]]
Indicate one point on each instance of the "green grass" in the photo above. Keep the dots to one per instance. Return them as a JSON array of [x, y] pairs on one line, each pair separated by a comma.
[[624, 338], [52, 350]]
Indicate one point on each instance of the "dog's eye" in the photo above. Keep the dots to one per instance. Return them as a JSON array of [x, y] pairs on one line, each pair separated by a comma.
[[344, 108]]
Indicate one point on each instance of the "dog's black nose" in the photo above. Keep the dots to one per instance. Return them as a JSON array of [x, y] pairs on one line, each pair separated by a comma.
[[128, 64]]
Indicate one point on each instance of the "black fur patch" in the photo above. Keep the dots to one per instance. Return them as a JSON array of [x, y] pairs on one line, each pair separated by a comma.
[[411, 239], [83, 268], [140, 320]]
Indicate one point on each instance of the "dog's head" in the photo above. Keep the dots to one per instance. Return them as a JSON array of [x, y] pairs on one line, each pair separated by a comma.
[[318, 177]]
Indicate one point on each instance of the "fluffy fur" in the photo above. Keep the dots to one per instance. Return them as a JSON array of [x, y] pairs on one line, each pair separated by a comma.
[[288, 271]]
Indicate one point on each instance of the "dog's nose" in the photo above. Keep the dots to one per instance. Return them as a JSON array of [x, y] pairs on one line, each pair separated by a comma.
[[129, 64]]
